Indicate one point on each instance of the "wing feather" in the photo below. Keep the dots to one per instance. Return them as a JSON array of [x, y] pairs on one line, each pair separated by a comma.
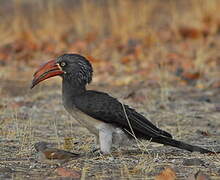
[[103, 107]]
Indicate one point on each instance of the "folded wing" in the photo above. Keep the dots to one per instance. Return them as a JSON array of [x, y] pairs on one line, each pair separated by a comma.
[[103, 107]]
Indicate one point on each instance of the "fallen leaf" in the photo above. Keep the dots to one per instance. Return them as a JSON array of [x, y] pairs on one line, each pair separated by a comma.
[[188, 77], [126, 59], [191, 76], [166, 174], [64, 172], [190, 32]]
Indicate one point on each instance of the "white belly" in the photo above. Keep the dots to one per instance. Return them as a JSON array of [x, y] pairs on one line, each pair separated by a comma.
[[85, 120]]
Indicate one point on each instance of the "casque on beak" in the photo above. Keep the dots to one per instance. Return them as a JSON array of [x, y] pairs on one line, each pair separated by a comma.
[[45, 71]]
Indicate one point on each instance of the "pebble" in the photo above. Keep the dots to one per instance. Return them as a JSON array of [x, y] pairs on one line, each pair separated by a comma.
[[193, 162]]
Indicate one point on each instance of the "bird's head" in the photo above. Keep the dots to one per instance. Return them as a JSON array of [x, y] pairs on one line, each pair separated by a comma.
[[71, 67]]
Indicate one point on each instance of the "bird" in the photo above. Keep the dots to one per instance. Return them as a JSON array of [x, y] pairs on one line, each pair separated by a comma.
[[112, 122], [48, 154]]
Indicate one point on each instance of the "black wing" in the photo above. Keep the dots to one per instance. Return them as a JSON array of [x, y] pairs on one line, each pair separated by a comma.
[[103, 107], [108, 109]]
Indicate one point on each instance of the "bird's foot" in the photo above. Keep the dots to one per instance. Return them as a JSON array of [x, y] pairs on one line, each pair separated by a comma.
[[98, 153], [95, 150]]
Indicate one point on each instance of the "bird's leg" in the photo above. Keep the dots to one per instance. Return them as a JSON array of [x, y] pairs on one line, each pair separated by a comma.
[[105, 139]]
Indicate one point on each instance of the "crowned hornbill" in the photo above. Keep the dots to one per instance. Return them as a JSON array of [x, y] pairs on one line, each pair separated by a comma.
[[107, 118]]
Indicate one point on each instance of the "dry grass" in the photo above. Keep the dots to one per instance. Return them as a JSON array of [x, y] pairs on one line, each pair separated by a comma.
[[59, 24], [127, 41], [53, 20], [147, 39], [46, 120]]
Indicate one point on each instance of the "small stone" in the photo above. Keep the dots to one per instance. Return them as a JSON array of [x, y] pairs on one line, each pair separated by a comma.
[[193, 162]]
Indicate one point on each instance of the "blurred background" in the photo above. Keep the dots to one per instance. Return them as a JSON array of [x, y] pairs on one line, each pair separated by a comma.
[[162, 57], [127, 41]]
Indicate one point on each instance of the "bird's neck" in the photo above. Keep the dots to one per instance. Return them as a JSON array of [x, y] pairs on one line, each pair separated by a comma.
[[71, 90]]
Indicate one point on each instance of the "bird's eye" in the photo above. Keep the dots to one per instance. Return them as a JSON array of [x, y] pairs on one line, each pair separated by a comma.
[[62, 64]]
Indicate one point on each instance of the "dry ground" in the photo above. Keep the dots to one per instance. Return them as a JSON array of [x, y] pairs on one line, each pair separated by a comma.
[[159, 56], [27, 117]]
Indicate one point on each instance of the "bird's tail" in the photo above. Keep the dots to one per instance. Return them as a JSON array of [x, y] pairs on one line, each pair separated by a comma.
[[180, 145]]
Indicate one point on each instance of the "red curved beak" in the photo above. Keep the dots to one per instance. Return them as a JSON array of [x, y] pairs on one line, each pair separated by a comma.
[[45, 71]]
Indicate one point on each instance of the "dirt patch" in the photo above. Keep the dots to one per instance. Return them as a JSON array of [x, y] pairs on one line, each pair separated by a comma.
[[39, 115]]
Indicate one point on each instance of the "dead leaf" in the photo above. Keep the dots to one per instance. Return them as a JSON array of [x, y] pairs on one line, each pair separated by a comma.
[[190, 32], [188, 77], [126, 59], [64, 172], [191, 75], [166, 174]]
